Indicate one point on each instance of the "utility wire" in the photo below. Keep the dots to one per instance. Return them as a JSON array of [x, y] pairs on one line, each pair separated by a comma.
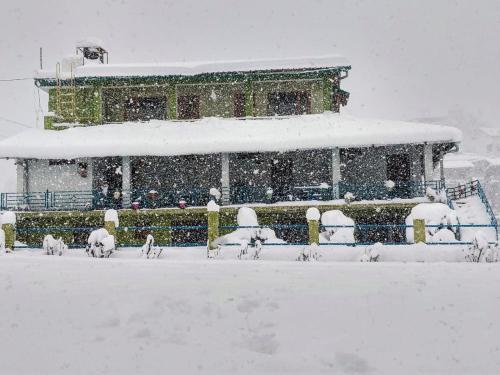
[[15, 79], [15, 122]]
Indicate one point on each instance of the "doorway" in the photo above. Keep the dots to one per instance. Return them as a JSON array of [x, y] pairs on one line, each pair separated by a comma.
[[399, 171], [282, 178], [107, 182], [146, 108]]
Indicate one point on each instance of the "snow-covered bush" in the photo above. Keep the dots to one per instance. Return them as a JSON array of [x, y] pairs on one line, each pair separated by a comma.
[[100, 244], [481, 250], [389, 184], [215, 194], [372, 253], [349, 197], [310, 252], [337, 234], [149, 250], [248, 218], [434, 196], [51, 246], [437, 216]]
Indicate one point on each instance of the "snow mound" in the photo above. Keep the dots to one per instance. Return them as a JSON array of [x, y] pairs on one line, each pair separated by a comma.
[[336, 234], [213, 207], [8, 217], [112, 215], [313, 214], [438, 214], [247, 217]]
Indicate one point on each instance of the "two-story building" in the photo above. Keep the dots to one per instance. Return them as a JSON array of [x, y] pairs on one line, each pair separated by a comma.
[[151, 135]]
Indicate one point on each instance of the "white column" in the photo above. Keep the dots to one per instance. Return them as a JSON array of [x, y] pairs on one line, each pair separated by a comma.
[[428, 164], [335, 172], [20, 181], [126, 185], [225, 179]]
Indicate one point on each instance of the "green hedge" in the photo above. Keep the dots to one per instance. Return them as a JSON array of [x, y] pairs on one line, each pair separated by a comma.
[[267, 215]]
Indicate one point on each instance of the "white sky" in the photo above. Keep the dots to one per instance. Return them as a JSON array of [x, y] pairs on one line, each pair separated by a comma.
[[410, 59]]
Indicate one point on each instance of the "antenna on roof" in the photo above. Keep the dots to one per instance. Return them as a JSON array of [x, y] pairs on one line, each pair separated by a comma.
[[92, 50]]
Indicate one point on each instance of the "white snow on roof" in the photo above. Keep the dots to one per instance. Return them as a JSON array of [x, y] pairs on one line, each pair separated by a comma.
[[215, 135], [90, 42], [199, 67]]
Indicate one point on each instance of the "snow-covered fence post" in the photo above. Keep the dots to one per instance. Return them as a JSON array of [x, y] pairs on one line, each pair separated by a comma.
[[111, 222], [213, 223], [419, 230], [312, 216], [8, 220]]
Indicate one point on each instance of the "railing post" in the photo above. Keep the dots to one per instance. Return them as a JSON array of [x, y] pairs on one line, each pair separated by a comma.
[[213, 224], [313, 216], [418, 230], [9, 227], [111, 222]]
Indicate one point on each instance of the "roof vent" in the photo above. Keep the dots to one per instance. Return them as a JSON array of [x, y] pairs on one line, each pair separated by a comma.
[[91, 49]]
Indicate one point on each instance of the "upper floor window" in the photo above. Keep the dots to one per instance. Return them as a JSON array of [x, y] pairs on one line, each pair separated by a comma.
[[288, 103], [145, 108], [188, 107]]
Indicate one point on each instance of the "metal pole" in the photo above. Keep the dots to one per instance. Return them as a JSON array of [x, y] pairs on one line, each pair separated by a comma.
[[41, 59]]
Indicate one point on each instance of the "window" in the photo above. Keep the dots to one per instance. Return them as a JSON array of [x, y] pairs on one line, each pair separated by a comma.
[[288, 103], [145, 108], [239, 104], [61, 162], [188, 107]]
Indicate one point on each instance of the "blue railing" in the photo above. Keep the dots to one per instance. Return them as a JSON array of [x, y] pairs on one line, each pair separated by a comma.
[[470, 189], [147, 198]]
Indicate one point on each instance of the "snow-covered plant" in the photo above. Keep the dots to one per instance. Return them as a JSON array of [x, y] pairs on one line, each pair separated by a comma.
[[435, 196], [215, 194], [372, 253], [100, 244], [389, 184], [481, 250], [149, 250], [51, 246], [309, 253], [338, 228], [349, 197]]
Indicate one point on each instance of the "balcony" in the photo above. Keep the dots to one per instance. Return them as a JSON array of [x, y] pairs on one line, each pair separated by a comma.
[[165, 198]]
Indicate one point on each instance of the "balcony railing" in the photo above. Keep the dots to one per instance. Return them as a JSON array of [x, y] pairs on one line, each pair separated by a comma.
[[148, 198]]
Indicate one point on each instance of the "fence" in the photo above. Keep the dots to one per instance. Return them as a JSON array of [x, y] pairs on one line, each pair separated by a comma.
[[294, 234], [148, 198]]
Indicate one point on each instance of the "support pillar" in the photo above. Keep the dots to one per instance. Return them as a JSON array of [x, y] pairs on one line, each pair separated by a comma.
[[213, 227], [20, 180], [336, 176], [419, 230], [428, 163], [226, 189], [313, 215], [441, 167], [126, 184]]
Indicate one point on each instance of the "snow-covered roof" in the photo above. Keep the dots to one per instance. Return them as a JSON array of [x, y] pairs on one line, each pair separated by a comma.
[[216, 135], [89, 41], [200, 67]]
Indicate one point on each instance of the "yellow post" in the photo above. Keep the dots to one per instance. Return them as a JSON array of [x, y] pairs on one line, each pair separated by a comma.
[[213, 223], [419, 230], [9, 228], [111, 222], [313, 216]]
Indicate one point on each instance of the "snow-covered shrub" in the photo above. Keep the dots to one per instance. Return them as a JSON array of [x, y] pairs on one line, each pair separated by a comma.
[[51, 246], [149, 250], [372, 253], [310, 252], [435, 196], [349, 197], [250, 252], [437, 216], [389, 184], [481, 250], [215, 194], [248, 218], [337, 234], [100, 244]]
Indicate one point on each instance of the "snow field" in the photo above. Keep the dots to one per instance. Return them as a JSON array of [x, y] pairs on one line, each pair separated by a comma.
[[79, 315]]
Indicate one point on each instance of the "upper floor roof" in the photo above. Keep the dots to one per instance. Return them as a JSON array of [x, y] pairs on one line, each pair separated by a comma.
[[232, 69]]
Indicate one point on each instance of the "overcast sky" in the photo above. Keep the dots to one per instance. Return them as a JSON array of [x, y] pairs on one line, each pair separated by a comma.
[[410, 59]]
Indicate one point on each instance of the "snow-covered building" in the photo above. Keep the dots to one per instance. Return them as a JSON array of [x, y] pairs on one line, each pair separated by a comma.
[[150, 135]]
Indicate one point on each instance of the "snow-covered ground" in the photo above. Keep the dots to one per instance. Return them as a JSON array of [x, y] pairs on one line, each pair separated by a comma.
[[187, 315]]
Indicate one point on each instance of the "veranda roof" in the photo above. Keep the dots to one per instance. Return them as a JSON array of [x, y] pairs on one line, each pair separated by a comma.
[[216, 135]]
